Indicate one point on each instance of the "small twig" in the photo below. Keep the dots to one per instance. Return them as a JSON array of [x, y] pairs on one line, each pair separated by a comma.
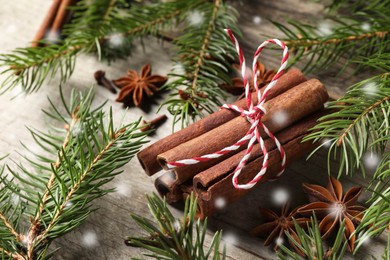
[[365, 112], [204, 47], [305, 42], [36, 222], [10, 227], [15, 256], [153, 124]]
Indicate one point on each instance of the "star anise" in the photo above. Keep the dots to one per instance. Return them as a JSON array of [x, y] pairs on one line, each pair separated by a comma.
[[136, 84], [333, 208], [277, 225], [264, 76]]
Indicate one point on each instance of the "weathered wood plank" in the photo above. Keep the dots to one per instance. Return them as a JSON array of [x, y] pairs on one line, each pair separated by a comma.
[[107, 227]]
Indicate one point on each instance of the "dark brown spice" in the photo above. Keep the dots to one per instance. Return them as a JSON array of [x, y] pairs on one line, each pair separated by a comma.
[[103, 81]]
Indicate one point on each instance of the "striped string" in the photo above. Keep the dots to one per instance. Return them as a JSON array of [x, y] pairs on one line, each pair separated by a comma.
[[254, 114]]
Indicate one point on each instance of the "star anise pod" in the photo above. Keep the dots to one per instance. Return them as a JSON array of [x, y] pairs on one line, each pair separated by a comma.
[[333, 208], [137, 84], [263, 77], [276, 226]]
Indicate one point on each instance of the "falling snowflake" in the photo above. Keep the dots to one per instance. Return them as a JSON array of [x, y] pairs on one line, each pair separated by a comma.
[[69, 204], [90, 239], [280, 196], [280, 118], [177, 225], [178, 69], [370, 88], [230, 238], [337, 209], [257, 19], [326, 142], [115, 40], [25, 239], [123, 189], [279, 241], [195, 18], [371, 160], [365, 239], [366, 27], [53, 37], [220, 203], [324, 29]]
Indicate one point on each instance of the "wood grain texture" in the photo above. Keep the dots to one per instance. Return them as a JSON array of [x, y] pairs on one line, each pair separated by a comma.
[[111, 223]]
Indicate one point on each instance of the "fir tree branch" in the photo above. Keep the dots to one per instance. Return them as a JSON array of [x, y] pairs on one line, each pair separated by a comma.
[[361, 33], [311, 244], [56, 166], [174, 239], [204, 56], [377, 217], [360, 117], [359, 126], [91, 31], [89, 154], [204, 47], [296, 43]]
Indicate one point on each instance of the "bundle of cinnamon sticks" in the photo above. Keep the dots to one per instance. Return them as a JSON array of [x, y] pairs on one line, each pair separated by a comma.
[[293, 107], [57, 15]]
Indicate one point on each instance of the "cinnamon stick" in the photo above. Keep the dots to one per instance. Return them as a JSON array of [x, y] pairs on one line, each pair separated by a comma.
[[206, 179], [46, 24], [62, 15], [225, 189], [291, 106], [168, 188], [148, 156]]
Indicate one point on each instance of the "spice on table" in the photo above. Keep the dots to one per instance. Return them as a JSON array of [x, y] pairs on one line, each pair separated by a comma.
[[333, 208], [312, 91], [148, 156], [136, 84], [153, 124], [277, 225], [101, 80]]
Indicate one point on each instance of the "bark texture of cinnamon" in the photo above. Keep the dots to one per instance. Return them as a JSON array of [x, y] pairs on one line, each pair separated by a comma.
[[168, 188], [148, 156], [219, 184], [47, 23], [282, 111], [62, 15]]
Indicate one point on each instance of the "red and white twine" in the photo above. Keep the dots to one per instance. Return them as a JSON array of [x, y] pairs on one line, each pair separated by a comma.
[[253, 114]]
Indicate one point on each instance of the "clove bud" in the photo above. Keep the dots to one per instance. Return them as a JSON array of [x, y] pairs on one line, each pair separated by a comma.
[[103, 81]]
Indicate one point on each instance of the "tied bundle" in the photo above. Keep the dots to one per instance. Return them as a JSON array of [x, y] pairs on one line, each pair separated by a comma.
[[208, 157]]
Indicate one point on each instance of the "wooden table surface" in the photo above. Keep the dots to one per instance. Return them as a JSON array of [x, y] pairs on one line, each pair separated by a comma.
[[102, 236]]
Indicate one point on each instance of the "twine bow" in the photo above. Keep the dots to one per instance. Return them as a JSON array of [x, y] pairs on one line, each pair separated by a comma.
[[254, 114]]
